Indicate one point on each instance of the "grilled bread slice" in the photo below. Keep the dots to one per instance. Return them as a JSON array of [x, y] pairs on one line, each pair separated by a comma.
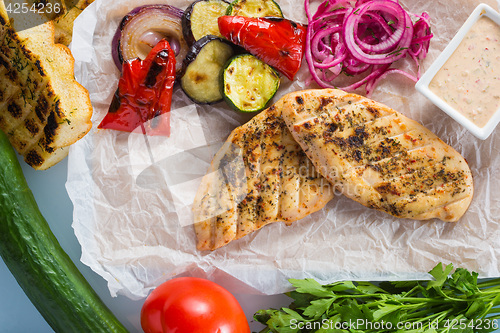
[[43, 109], [64, 23], [260, 176], [379, 157]]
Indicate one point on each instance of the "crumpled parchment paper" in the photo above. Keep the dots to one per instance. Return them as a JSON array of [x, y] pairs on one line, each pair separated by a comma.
[[132, 199]]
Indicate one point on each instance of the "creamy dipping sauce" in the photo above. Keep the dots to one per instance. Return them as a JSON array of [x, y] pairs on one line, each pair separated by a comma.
[[469, 81]]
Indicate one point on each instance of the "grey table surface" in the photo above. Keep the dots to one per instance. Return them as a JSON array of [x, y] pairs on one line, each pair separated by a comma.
[[18, 315]]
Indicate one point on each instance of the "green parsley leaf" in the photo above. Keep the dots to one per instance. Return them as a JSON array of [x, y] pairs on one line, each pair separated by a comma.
[[311, 286], [449, 303]]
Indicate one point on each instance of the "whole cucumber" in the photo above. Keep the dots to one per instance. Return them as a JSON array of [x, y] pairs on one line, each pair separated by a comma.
[[42, 268]]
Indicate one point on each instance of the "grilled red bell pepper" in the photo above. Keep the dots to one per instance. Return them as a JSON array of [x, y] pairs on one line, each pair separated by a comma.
[[276, 41], [144, 95]]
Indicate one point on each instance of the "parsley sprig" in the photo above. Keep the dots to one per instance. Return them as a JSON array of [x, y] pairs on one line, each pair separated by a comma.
[[448, 303]]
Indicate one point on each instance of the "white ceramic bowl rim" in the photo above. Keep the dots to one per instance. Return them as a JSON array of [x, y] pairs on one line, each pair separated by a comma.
[[423, 83]]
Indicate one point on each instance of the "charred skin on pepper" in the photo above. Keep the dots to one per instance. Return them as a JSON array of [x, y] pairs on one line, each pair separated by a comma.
[[144, 94], [276, 41]]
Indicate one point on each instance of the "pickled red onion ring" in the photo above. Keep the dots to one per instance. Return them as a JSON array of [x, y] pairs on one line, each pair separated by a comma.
[[366, 37]]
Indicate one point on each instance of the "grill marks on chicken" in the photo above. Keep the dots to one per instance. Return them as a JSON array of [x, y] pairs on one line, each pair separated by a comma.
[[260, 176], [379, 157], [283, 164]]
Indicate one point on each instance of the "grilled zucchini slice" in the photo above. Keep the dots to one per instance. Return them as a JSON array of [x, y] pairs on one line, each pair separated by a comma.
[[254, 8], [203, 64], [200, 19], [248, 83]]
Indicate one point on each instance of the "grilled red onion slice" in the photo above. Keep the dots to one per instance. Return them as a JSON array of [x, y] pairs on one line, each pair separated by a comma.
[[363, 38], [142, 28]]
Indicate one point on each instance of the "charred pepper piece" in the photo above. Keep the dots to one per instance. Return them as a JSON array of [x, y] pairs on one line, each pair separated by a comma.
[[276, 41], [144, 95]]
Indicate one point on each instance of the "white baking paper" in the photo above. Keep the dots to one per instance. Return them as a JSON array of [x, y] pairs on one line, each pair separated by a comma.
[[132, 198]]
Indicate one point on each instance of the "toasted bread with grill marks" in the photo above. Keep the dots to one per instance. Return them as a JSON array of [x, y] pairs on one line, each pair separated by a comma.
[[43, 109], [64, 23]]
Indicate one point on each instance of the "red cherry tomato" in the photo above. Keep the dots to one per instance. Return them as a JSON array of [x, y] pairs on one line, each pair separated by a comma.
[[189, 305]]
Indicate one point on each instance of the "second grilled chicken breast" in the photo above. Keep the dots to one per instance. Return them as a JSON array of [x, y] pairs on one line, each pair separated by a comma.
[[379, 157], [260, 176]]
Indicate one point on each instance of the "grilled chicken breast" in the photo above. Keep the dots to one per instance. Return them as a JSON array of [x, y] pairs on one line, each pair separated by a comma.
[[260, 176], [379, 157]]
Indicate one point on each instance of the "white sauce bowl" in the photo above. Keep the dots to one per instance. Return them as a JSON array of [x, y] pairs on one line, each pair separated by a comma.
[[423, 84]]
